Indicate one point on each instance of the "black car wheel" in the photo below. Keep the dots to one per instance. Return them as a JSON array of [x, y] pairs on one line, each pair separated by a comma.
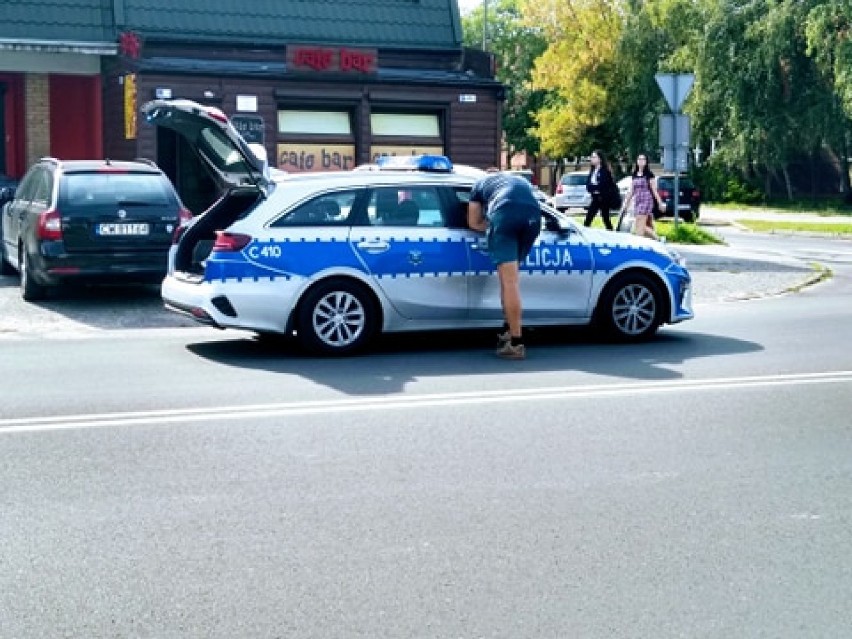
[[30, 289], [337, 317], [630, 308]]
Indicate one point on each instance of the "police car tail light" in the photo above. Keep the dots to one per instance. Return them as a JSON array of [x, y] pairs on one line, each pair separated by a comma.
[[49, 225], [226, 242]]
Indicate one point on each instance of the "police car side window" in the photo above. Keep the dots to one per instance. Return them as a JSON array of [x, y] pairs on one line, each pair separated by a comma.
[[405, 205], [328, 209], [457, 215]]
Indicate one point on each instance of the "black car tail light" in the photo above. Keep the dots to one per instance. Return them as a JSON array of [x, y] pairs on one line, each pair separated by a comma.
[[230, 242], [184, 217], [49, 226]]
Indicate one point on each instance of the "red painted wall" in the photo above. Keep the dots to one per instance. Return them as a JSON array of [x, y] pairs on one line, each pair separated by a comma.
[[15, 142], [76, 117]]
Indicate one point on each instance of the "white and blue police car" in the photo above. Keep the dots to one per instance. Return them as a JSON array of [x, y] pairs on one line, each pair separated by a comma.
[[336, 258]]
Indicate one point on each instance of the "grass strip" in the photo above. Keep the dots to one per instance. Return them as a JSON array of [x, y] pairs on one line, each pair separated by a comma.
[[768, 226]]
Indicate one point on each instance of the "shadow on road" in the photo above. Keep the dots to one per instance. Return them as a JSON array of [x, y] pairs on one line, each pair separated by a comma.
[[400, 359]]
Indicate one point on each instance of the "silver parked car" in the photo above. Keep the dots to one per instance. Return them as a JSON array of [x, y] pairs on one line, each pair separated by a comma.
[[336, 258], [571, 192]]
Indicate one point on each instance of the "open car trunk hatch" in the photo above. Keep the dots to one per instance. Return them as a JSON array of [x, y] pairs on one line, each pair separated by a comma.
[[196, 243], [211, 135]]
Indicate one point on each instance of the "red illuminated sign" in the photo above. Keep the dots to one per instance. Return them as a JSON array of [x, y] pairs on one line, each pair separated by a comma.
[[331, 59]]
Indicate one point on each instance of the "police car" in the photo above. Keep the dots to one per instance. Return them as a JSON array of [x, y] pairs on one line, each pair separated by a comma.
[[337, 258]]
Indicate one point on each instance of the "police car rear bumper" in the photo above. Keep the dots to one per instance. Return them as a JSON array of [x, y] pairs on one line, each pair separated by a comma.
[[246, 305], [192, 299]]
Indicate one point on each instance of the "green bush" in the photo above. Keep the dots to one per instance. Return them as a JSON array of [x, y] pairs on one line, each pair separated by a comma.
[[719, 184]]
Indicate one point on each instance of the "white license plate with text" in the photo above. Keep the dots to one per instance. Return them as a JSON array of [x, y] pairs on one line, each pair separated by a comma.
[[117, 229]]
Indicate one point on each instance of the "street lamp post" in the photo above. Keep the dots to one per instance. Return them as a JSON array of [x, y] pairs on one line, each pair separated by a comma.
[[485, 25]]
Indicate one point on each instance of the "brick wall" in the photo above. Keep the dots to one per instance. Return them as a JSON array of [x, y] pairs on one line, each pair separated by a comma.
[[37, 116]]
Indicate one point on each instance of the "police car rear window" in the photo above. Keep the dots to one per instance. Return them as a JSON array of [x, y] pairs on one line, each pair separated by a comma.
[[573, 180]]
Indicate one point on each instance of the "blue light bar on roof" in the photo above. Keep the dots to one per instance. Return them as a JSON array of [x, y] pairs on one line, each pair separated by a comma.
[[430, 163]]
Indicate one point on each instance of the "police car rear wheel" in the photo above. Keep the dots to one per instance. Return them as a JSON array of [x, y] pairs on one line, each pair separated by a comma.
[[336, 318], [630, 308]]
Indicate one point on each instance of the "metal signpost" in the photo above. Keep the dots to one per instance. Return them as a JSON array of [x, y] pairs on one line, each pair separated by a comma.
[[675, 128]]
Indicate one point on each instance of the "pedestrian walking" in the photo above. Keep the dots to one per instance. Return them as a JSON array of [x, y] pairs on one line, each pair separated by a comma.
[[600, 184], [505, 208], [643, 189]]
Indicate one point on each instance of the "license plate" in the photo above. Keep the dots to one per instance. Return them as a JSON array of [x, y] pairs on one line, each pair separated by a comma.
[[123, 229]]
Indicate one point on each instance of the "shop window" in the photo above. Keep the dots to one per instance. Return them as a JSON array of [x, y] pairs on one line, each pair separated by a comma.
[[405, 134], [413, 125], [313, 140], [315, 122]]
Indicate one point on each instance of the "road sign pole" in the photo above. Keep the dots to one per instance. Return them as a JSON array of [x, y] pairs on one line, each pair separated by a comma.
[[671, 85], [677, 168]]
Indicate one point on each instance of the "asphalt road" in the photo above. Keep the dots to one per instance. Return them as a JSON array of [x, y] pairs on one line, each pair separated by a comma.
[[192, 483]]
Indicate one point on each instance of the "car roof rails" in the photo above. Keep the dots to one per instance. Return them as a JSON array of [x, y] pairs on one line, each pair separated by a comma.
[[48, 158], [147, 161]]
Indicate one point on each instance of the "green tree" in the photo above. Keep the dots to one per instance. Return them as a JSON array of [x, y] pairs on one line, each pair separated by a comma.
[[760, 89], [515, 47], [829, 43], [575, 70]]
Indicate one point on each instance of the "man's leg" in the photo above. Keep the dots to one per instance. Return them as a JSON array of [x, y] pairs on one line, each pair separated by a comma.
[[510, 296]]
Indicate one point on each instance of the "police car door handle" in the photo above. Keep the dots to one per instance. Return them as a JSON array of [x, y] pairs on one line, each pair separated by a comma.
[[480, 246], [373, 246]]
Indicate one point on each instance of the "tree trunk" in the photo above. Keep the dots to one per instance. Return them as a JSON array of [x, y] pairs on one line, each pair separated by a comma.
[[847, 182], [787, 183]]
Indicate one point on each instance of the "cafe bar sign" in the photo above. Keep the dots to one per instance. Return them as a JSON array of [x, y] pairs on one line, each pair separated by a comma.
[[317, 59]]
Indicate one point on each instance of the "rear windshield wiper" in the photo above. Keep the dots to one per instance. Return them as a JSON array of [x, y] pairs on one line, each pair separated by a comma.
[[137, 203]]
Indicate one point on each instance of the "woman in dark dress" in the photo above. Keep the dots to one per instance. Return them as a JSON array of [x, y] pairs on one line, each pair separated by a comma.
[[599, 184]]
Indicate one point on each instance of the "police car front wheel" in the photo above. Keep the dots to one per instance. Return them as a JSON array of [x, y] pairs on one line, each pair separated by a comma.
[[336, 318], [631, 307]]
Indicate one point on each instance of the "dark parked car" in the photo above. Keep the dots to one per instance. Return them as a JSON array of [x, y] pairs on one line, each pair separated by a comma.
[[7, 189], [88, 221], [689, 204]]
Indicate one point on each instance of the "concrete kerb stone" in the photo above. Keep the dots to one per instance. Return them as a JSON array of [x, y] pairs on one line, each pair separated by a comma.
[[721, 273]]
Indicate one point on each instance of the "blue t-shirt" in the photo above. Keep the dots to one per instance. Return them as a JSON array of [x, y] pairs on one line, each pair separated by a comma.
[[502, 191]]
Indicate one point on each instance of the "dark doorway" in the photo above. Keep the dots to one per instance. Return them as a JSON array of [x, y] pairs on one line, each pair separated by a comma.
[[186, 171], [2, 129]]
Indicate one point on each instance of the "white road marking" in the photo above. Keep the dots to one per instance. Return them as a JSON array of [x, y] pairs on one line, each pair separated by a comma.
[[406, 402]]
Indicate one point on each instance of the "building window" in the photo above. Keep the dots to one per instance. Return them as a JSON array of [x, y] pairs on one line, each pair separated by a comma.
[[315, 122], [405, 134], [315, 140], [405, 124]]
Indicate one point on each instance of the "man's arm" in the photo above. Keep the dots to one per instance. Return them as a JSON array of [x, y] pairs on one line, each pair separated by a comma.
[[475, 218]]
